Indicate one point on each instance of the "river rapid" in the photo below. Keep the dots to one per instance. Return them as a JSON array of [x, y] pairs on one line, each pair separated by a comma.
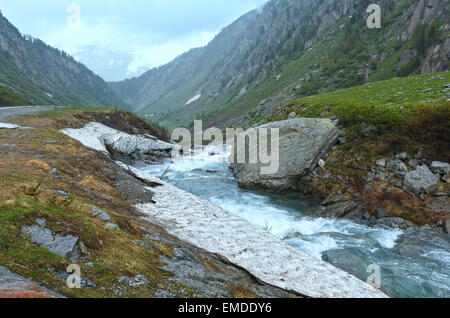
[[420, 269]]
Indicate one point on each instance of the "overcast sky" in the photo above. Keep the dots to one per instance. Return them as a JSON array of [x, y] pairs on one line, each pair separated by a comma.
[[119, 39]]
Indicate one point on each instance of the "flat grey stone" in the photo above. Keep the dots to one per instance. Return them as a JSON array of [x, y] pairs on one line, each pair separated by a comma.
[[38, 235], [102, 215], [62, 245]]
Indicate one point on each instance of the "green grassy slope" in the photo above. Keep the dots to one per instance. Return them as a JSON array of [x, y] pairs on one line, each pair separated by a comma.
[[390, 97], [408, 112], [9, 98]]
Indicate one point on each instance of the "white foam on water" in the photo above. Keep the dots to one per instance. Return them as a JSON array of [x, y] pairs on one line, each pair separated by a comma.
[[312, 234]]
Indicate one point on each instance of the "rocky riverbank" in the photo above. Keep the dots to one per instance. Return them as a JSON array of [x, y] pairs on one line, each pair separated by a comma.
[[406, 190], [61, 202], [207, 226]]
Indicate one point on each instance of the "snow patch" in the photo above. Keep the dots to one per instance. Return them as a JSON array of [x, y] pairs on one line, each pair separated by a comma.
[[271, 260], [96, 136], [12, 126], [193, 99], [8, 126]]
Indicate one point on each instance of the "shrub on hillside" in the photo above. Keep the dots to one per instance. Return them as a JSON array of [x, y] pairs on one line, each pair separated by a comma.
[[430, 123]]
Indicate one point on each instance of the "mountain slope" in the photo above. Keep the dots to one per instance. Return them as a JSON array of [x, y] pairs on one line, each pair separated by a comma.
[[290, 49], [34, 72]]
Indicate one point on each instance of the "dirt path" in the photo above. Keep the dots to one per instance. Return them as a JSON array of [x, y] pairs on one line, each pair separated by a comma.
[[8, 112]]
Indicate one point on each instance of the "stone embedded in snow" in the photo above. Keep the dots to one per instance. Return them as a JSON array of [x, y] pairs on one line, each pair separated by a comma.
[[97, 136], [421, 180], [271, 260], [441, 168]]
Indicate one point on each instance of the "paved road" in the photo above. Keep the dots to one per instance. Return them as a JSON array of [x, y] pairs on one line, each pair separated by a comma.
[[8, 112]]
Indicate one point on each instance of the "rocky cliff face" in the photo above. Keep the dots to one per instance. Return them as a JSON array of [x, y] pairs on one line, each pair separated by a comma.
[[293, 48], [43, 75]]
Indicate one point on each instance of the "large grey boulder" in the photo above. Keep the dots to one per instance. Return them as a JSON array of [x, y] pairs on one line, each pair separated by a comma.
[[303, 142], [420, 181]]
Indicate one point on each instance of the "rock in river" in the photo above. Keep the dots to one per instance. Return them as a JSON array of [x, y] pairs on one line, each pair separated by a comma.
[[303, 143], [345, 260]]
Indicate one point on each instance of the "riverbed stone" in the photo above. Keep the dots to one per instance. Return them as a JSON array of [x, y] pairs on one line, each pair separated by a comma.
[[380, 213], [303, 143], [346, 261], [421, 181], [339, 210]]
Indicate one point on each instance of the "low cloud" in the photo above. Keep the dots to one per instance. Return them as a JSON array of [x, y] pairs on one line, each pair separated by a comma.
[[119, 39]]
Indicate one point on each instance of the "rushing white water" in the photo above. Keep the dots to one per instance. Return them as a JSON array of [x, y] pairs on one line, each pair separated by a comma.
[[286, 216]]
